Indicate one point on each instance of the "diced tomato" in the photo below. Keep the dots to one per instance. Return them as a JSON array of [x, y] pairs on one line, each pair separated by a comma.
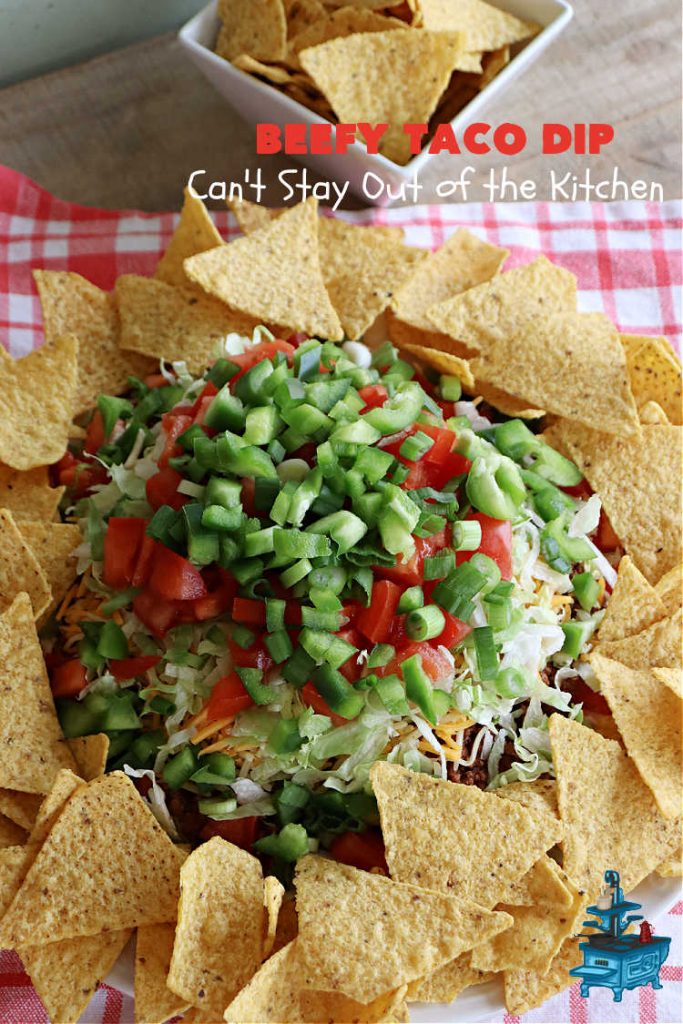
[[255, 656], [436, 665], [130, 668], [410, 573], [397, 630], [158, 615], [606, 537], [312, 699], [78, 475], [174, 578], [248, 491], [306, 452], [162, 489], [242, 832], [373, 395], [199, 419], [173, 427], [143, 565], [94, 436], [350, 668], [122, 543], [454, 631], [227, 698], [496, 542], [364, 850], [68, 679], [374, 622], [249, 611], [208, 391], [444, 441], [266, 350], [217, 602]]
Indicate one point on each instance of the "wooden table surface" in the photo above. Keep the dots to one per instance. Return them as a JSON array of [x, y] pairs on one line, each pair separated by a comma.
[[126, 130]]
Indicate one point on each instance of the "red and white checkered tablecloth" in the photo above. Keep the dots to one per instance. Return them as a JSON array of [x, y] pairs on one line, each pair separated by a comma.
[[627, 258]]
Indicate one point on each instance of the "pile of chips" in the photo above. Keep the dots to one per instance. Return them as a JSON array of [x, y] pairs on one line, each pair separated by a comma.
[[376, 61], [475, 889]]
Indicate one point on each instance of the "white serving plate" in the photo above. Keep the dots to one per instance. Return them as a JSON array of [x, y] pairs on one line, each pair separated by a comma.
[[481, 1003], [258, 102]]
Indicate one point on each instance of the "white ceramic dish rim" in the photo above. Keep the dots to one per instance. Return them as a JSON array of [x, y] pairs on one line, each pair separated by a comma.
[[478, 1004], [564, 12]]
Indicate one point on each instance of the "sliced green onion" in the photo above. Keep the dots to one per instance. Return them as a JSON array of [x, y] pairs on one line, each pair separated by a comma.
[[296, 572], [466, 535], [381, 655], [485, 652], [425, 623], [411, 599], [451, 388], [438, 566], [586, 588], [243, 637]]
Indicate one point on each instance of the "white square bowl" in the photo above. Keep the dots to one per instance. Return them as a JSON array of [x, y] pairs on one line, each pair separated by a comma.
[[257, 102]]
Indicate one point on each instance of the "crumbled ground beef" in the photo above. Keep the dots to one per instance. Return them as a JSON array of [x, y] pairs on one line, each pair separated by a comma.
[[476, 774]]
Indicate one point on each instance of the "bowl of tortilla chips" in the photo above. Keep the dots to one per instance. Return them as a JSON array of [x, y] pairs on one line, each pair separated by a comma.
[[424, 62], [471, 887]]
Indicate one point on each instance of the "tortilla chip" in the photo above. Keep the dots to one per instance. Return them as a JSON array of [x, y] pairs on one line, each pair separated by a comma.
[[494, 843], [273, 275], [462, 262], [572, 363], [672, 868], [32, 749], [29, 495], [53, 545], [363, 934], [67, 974], [657, 646], [154, 1001], [273, 895], [633, 605], [20, 569], [643, 506], [12, 870], [301, 14], [37, 403], [525, 990], [90, 754], [72, 305], [539, 795], [544, 884], [609, 814], [127, 869], [654, 373], [648, 715], [361, 269], [252, 216], [671, 677], [195, 232], [534, 939], [493, 63], [444, 985], [653, 414], [21, 808], [287, 924], [274, 73], [175, 323], [669, 589], [484, 27], [275, 994], [390, 78], [256, 27], [64, 786], [10, 833], [221, 908], [341, 23], [444, 363]]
